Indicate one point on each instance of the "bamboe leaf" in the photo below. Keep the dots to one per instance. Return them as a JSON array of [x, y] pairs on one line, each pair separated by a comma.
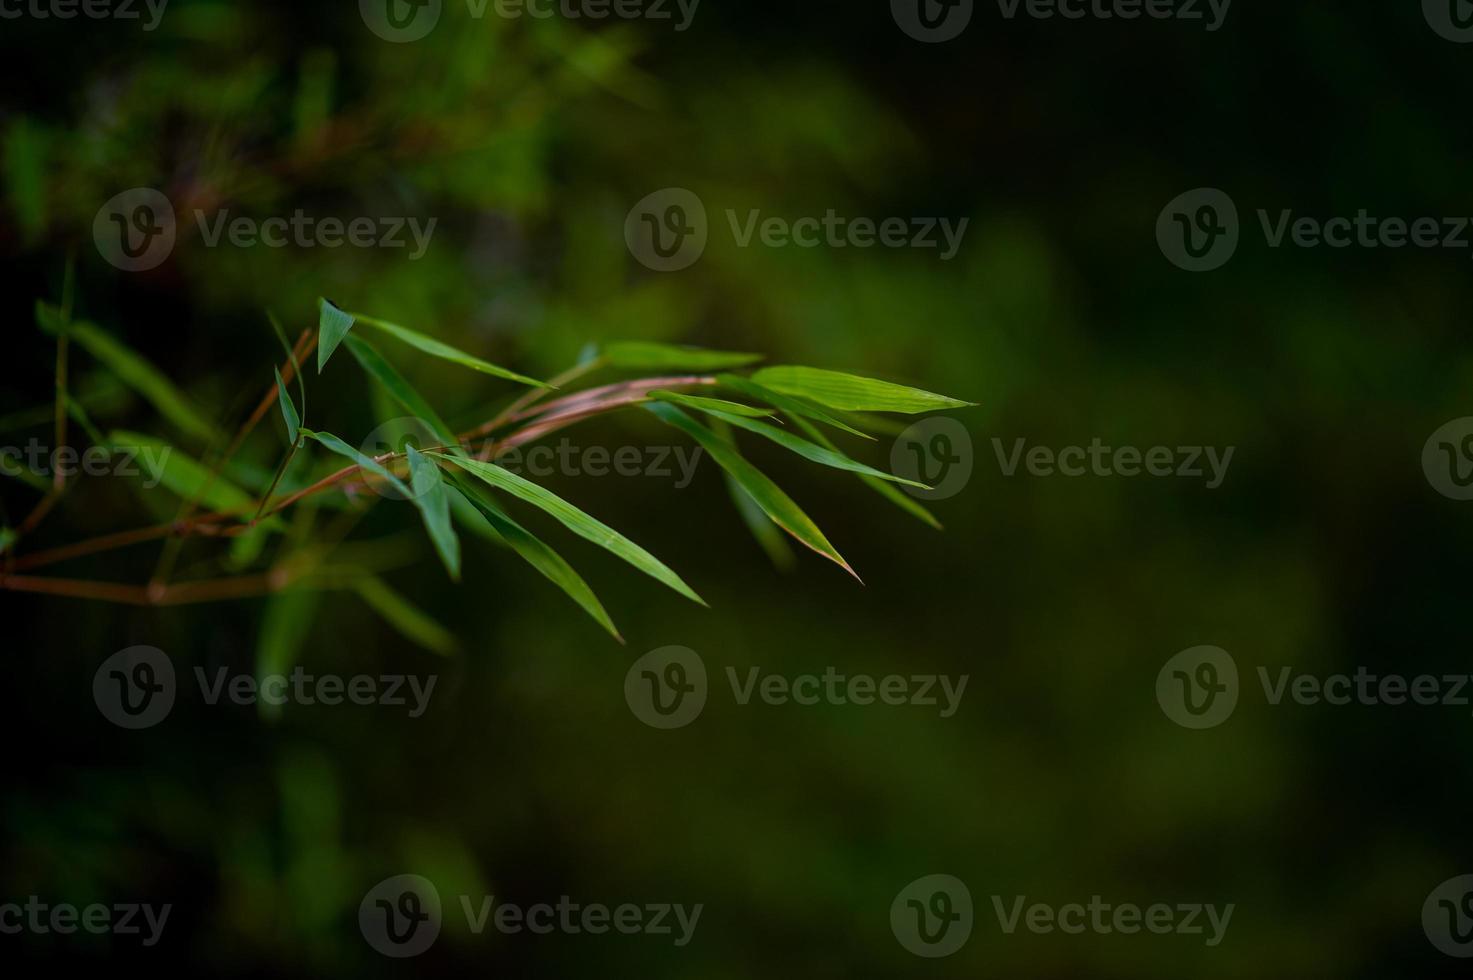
[[769, 536], [852, 393], [333, 325], [288, 410], [178, 472], [435, 348], [712, 404], [574, 520], [640, 355], [411, 622], [809, 451], [132, 369], [434, 507], [792, 406], [768, 495], [284, 625], [538, 555], [886, 490], [368, 463], [398, 388]]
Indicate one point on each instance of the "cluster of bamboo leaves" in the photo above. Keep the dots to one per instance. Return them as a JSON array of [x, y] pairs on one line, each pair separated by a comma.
[[453, 491]]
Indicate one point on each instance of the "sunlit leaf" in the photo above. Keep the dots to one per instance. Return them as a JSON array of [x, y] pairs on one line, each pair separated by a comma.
[[711, 404], [852, 393], [792, 406], [537, 554], [575, 520], [768, 495], [639, 355], [808, 450]]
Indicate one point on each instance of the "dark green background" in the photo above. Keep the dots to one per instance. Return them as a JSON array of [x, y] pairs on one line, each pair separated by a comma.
[[1060, 778]]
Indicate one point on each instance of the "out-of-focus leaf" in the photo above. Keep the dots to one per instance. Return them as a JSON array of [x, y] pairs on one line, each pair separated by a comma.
[[538, 555], [284, 626], [434, 507], [852, 393], [886, 490], [131, 369], [711, 404], [178, 472], [639, 355], [435, 348], [25, 176], [7, 538], [809, 451], [288, 410], [332, 326], [792, 406], [575, 520], [768, 495], [401, 390], [411, 622]]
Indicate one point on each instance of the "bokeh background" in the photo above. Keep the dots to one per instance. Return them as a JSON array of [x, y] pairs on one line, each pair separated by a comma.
[[1060, 778]]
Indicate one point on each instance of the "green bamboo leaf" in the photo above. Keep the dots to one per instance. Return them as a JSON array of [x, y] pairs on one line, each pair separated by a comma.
[[291, 355], [132, 369], [538, 555], [809, 451], [852, 393], [711, 404], [411, 622], [284, 625], [794, 407], [640, 355], [886, 490], [333, 325], [288, 410], [7, 538], [434, 507], [398, 388], [768, 495], [574, 520], [435, 348], [178, 472], [769, 536], [333, 443]]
